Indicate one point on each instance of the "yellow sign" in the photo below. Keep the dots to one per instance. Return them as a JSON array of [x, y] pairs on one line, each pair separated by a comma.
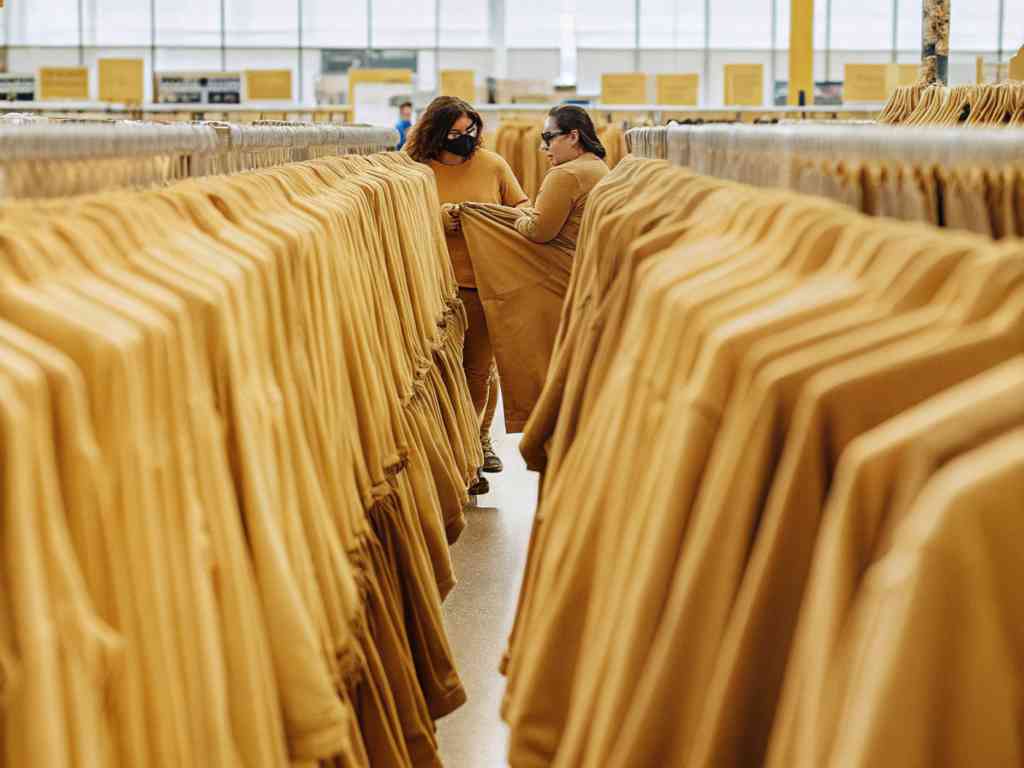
[[624, 88], [1017, 65], [460, 83], [268, 84], [865, 82], [901, 74], [744, 85], [357, 76], [122, 80], [71, 83], [682, 90]]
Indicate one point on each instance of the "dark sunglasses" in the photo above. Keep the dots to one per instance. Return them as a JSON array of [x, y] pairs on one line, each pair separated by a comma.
[[547, 136]]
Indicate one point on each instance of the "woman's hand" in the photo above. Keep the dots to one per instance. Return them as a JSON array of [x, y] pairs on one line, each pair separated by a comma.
[[450, 216]]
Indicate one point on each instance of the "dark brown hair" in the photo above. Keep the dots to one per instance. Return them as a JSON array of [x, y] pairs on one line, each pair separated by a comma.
[[569, 117], [429, 135]]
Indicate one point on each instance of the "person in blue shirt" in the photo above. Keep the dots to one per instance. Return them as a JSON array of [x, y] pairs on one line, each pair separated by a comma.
[[404, 122]]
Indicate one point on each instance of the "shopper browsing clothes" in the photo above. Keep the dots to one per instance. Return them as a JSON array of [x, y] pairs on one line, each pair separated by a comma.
[[447, 137]]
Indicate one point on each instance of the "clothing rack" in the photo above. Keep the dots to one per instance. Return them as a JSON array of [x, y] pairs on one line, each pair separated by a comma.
[[236, 441], [38, 153], [927, 173]]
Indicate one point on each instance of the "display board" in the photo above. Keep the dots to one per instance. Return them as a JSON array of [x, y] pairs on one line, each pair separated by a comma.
[[64, 83], [744, 85], [17, 87], [122, 80], [197, 87], [865, 82], [460, 83], [682, 90], [624, 88], [268, 84]]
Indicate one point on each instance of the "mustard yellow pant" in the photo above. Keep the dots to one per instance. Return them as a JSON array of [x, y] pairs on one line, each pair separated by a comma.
[[478, 360]]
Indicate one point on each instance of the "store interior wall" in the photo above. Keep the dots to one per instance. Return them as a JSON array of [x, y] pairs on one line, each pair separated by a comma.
[[667, 35]]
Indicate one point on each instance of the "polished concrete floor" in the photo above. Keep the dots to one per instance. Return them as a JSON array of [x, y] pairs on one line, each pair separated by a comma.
[[489, 560]]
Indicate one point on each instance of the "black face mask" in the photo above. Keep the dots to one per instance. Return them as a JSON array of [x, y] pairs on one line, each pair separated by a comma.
[[462, 146]]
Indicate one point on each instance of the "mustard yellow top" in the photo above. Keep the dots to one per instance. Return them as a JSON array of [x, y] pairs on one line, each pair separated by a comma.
[[563, 194]]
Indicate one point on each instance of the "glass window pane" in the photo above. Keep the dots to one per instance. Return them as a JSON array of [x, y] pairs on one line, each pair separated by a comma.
[[974, 26], [117, 22], [54, 22], [188, 22], [464, 24], [403, 23], [605, 24], [261, 22], [534, 23], [741, 24], [333, 24], [672, 24], [908, 25], [862, 26], [1013, 28]]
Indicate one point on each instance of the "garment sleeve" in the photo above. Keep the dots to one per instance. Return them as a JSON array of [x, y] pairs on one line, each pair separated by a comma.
[[511, 190], [545, 220]]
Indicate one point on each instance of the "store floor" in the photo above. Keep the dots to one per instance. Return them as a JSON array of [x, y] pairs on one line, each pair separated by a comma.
[[489, 560]]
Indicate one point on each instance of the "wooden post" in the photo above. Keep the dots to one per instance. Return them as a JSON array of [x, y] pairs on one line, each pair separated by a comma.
[[935, 42]]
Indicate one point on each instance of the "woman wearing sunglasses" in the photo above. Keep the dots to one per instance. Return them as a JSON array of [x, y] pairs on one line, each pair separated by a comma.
[[577, 159], [447, 137]]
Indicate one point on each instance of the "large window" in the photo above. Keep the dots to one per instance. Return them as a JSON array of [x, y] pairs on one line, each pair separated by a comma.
[[194, 22], [117, 22], [536, 23], [257, 23], [54, 22], [464, 24], [908, 25], [974, 26], [741, 24], [333, 24], [865, 25], [672, 23], [403, 23], [1013, 28], [605, 24]]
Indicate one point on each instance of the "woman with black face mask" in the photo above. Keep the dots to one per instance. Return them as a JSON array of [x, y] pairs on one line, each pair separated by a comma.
[[447, 137]]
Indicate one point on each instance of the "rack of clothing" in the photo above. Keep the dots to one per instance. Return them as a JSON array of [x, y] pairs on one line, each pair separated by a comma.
[[781, 512], [236, 446], [999, 104], [961, 178], [45, 157]]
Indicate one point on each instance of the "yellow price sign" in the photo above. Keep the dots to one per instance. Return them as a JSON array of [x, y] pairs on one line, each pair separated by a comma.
[[865, 82], [744, 85], [268, 84], [460, 83], [122, 80], [624, 88], [69, 83], [681, 90]]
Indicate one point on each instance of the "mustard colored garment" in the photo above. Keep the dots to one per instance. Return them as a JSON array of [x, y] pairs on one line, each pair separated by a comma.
[[263, 518], [949, 576], [558, 209], [523, 263], [876, 482], [655, 615], [484, 178]]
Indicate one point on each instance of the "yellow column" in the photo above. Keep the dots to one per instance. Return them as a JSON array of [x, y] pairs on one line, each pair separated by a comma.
[[801, 51]]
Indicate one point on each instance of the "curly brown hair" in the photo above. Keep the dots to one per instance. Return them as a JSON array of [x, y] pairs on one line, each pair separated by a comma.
[[427, 138]]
